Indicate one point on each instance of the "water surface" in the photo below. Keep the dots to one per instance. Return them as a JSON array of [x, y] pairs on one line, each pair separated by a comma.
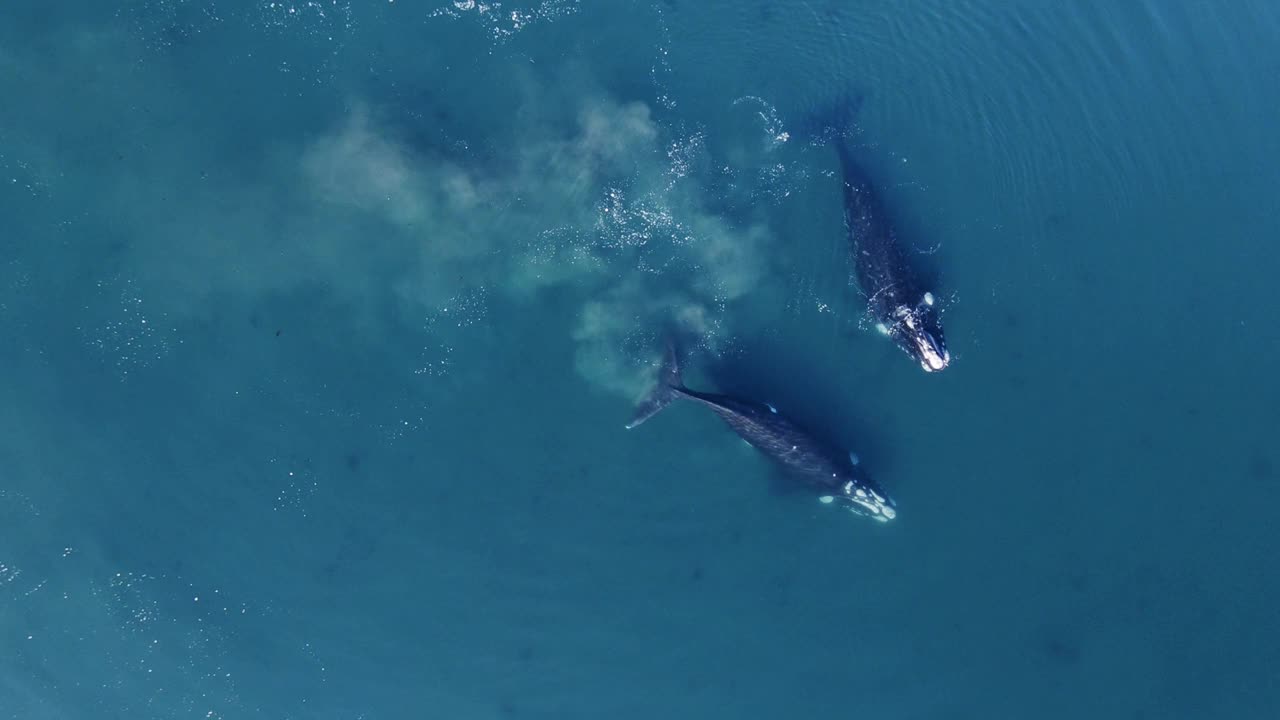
[[321, 322]]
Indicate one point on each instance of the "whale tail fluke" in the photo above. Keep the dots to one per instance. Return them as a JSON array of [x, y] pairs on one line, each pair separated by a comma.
[[667, 388], [834, 122]]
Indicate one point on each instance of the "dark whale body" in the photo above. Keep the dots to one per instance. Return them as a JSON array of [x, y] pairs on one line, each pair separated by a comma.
[[897, 300], [833, 473]]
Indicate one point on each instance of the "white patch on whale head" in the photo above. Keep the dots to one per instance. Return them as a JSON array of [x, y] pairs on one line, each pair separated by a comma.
[[865, 501], [930, 358]]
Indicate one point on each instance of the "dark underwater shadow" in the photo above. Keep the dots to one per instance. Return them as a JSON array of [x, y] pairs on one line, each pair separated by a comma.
[[769, 370]]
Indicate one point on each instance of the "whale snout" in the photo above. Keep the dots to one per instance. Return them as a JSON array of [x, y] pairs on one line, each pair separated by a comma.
[[918, 331], [932, 352], [864, 498]]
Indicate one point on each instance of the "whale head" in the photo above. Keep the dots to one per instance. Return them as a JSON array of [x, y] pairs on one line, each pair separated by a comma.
[[862, 496], [918, 331]]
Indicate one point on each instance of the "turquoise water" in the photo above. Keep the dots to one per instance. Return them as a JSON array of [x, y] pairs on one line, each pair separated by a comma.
[[321, 322]]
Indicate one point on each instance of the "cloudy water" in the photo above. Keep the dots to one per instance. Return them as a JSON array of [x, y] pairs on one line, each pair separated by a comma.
[[321, 322]]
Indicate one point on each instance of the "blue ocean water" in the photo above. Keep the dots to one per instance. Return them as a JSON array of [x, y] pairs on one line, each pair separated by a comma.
[[321, 321]]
